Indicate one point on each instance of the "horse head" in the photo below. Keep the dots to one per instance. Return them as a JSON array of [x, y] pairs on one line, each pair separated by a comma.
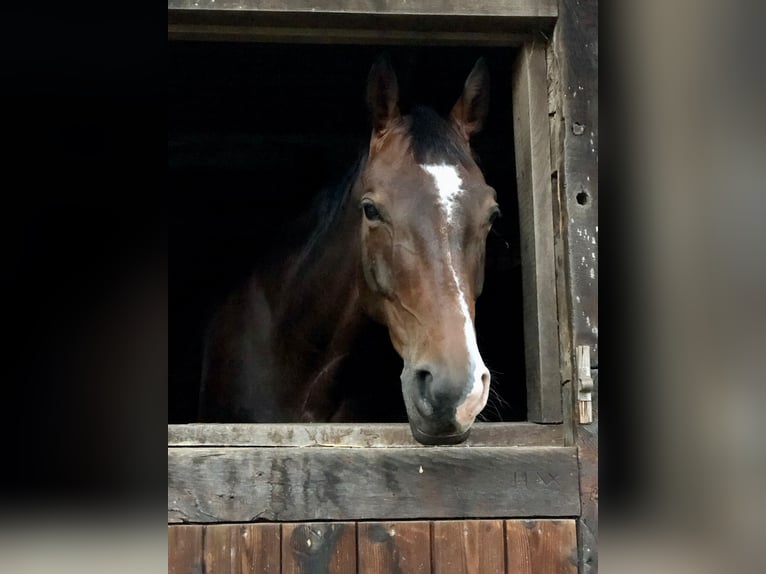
[[425, 211]]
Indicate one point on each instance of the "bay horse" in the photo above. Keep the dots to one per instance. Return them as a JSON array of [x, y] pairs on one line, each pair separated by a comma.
[[401, 242]]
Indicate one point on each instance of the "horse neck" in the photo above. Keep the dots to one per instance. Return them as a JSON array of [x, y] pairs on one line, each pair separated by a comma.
[[319, 317], [320, 296]]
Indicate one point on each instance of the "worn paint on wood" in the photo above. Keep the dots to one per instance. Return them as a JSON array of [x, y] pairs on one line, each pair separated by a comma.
[[396, 547], [319, 548], [535, 546], [469, 547], [355, 435], [283, 484]]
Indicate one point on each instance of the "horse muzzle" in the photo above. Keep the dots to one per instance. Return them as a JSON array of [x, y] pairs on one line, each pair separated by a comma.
[[440, 410]]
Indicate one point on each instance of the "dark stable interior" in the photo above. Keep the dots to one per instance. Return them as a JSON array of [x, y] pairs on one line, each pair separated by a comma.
[[255, 131]]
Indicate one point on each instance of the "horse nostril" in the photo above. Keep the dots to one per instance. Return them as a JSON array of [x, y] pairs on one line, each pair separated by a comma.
[[424, 376], [485, 379]]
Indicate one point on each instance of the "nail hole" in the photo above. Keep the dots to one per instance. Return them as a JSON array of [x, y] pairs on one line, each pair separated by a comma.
[[582, 198]]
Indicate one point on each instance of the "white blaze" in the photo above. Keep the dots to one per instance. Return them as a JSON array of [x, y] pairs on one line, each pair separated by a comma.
[[448, 184]]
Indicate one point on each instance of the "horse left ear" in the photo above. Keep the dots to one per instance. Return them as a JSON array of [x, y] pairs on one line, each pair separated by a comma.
[[470, 111], [382, 95]]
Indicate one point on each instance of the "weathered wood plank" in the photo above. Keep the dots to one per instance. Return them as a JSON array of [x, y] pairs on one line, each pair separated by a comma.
[[533, 173], [504, 8], [574, 51], [205, 32], [242, 548], [280, 484], [394, 547], [498, 23], [354, 435], [534, 546], [587, 443], [319, 548], [468, 547], [185, 549]]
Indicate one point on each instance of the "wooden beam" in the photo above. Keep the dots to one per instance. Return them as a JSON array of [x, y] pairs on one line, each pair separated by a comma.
[[288, 484], [354, 435], [204, 32], [533, 173], [502, 8], [574, 52], [432, 22]]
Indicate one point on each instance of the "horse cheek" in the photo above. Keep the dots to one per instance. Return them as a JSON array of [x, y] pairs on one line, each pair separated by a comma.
[[377, 269], [479, 274]]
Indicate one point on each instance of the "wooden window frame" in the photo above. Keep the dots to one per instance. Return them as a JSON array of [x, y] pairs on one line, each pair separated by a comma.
[[536, 460]]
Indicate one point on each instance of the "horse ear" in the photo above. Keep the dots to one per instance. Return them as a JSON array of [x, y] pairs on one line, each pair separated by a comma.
[[470, 111], [382, 95]]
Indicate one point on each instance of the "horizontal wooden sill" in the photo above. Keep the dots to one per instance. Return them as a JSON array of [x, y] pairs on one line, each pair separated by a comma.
[[435, 22], [496, 8], [248, 484], [354, 435]]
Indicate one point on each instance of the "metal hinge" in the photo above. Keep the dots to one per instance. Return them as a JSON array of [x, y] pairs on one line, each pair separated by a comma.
[[584, 385]]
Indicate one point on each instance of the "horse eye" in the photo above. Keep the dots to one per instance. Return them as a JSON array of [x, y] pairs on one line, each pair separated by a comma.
[[494, 215], [371, 212]]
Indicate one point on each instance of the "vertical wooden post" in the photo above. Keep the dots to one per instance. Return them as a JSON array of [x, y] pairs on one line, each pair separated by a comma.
[[574, 53], [533, 175]]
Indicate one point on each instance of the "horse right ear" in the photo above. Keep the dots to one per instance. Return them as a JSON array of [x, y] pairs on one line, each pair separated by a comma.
[[382, 95]]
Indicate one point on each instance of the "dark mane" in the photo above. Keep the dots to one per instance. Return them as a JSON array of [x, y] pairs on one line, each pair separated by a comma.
[[434, 140], [325, 211]]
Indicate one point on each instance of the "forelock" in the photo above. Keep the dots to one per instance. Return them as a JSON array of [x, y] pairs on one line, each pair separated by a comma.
[[434, 141]]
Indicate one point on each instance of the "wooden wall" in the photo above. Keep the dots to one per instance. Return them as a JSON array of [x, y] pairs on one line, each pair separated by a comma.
[[448, 546]]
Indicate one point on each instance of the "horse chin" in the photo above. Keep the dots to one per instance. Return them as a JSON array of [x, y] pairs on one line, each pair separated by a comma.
[[438, 439]]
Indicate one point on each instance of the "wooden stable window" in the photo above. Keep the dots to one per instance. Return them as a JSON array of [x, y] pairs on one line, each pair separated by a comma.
[[244, 473]]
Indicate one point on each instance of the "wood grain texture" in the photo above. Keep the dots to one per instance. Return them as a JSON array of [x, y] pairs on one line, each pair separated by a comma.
[[395, 547], [433, 22], [505, 8], [285, 484], [354, 435], [574, 50], [468, 547], [242, 548], [533, 173], [536, 546], [319, 548], [185, 554], [587, 441], [384, 36]]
